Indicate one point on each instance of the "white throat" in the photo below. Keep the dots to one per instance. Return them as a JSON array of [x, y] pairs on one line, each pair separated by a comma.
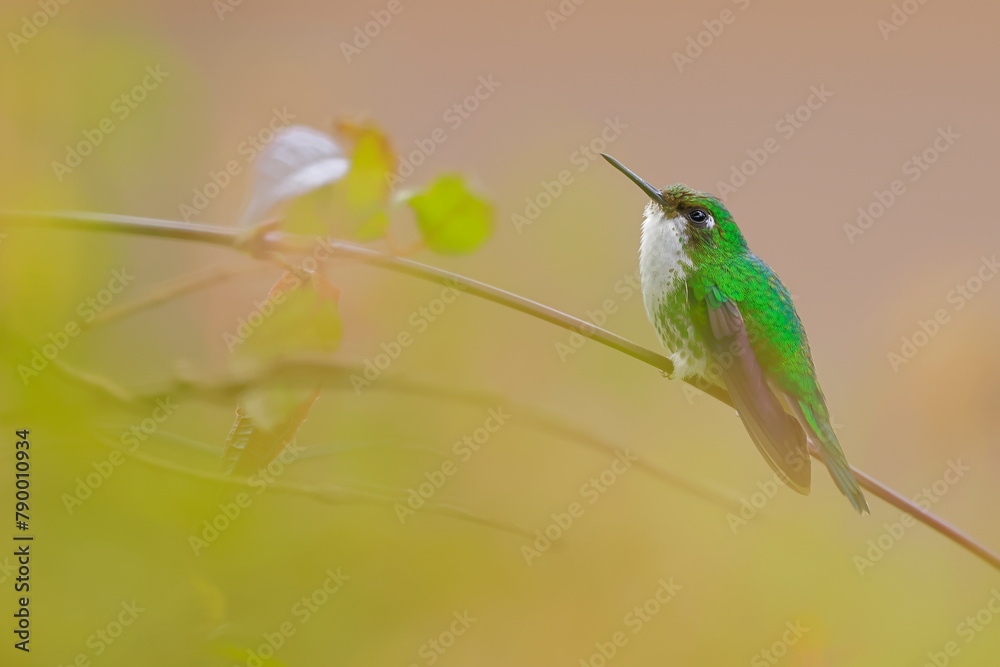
[[663, 263], [664, 267]]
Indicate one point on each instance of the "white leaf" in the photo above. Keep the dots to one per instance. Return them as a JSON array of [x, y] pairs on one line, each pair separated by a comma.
[[299, 159]]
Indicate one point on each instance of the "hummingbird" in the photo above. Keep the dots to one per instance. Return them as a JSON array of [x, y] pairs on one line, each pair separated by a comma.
[[726, 318]]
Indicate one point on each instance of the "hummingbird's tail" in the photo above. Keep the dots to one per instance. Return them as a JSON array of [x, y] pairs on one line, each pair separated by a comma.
[[844, 478], [819, 431]]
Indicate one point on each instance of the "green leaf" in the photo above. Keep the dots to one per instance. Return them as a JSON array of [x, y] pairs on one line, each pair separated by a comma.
[[365, 188], [300, 315], [311, 213], [267, 419], [296, 317], [451, 219]]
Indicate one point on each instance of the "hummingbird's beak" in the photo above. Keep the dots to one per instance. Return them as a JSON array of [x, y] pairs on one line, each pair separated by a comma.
[[653, 193]]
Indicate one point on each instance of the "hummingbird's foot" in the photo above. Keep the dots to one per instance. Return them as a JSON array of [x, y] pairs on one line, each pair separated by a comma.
[[668, 375]]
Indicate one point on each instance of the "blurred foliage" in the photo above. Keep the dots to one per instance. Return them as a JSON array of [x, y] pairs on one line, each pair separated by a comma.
[[451, 218], [366, 187], [303, 171]]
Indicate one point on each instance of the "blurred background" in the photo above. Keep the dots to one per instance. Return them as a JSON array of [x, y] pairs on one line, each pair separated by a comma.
[[856, 145]]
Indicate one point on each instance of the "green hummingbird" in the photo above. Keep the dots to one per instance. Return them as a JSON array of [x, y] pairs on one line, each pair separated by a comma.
[[725, 317]]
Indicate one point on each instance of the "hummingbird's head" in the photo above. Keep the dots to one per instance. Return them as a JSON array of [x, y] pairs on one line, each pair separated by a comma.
[[697, 218]]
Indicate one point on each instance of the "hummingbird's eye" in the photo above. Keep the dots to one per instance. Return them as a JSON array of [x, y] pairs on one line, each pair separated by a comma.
[[699, 217]]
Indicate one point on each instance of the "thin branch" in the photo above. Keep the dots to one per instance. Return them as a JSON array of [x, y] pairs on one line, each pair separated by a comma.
[[560, 429], [306, 370], [99, 383], [313, 451], [172, 289], [275, 242], [331, 495]]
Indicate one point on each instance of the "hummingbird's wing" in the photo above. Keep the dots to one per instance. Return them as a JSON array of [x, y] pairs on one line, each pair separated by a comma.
[[781, 351], [778, 436], [813, 417]]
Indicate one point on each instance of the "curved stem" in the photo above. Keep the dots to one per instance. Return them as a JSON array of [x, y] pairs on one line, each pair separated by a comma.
[[331, 495], [173, 289], [276, 242], [307, 370]]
